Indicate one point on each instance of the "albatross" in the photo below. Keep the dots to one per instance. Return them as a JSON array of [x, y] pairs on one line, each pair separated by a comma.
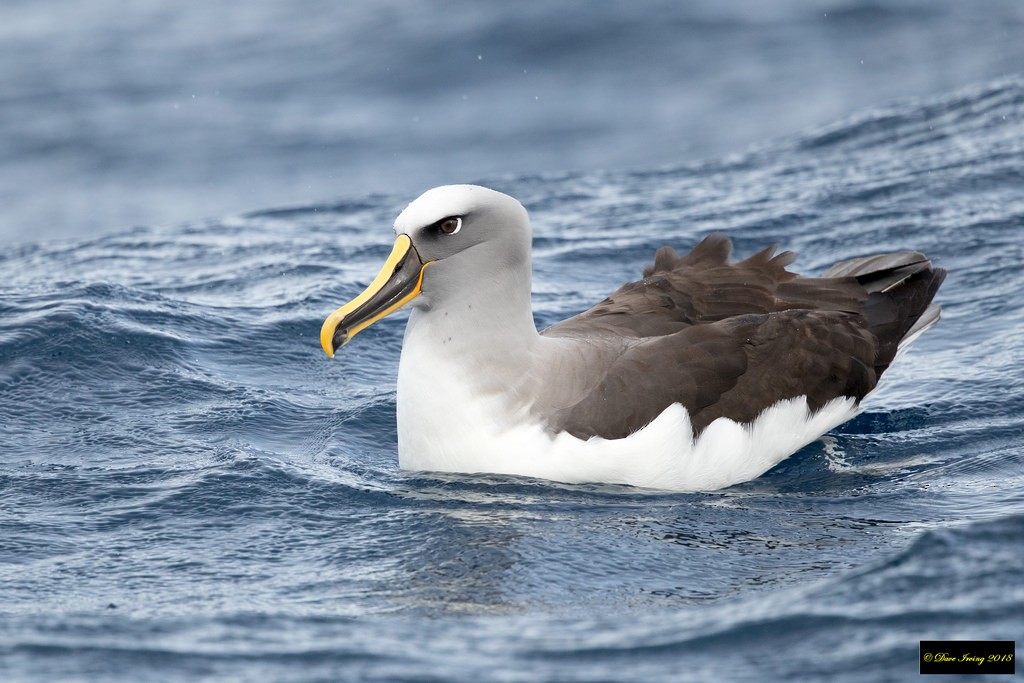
[[703, 374]]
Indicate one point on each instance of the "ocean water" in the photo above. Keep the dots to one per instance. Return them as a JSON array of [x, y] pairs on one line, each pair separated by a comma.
[[190, 490], [154, 112]]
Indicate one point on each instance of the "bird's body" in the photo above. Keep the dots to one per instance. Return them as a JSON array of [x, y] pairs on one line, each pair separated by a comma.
[[703, 374]]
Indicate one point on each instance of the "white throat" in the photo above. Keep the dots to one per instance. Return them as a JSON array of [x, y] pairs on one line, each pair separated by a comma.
[[465, 373]]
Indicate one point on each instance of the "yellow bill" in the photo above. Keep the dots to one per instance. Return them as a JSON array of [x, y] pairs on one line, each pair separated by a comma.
[[398, 282]]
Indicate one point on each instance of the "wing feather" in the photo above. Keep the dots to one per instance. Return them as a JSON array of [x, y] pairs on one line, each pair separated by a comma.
[[731, 339]]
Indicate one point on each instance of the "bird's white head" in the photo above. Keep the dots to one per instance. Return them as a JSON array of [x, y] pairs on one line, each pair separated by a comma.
[[452, 241]]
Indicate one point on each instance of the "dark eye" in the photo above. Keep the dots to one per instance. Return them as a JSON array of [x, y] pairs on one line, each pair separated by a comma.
[[451, 225]]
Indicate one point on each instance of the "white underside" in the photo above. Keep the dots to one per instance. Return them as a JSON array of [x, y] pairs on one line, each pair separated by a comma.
[[443, 427]]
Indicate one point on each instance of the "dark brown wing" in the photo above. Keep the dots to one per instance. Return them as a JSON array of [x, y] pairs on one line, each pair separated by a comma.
[[731, 339], [732, 368]]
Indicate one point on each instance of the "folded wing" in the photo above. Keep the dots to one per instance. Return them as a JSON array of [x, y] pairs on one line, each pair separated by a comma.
[[731, 339]]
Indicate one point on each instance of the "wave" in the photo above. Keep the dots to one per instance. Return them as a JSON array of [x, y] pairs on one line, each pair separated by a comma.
[[175, 443]]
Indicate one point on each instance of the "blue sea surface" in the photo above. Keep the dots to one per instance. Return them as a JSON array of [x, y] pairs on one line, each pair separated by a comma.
[[155, 112], [191, 491]]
